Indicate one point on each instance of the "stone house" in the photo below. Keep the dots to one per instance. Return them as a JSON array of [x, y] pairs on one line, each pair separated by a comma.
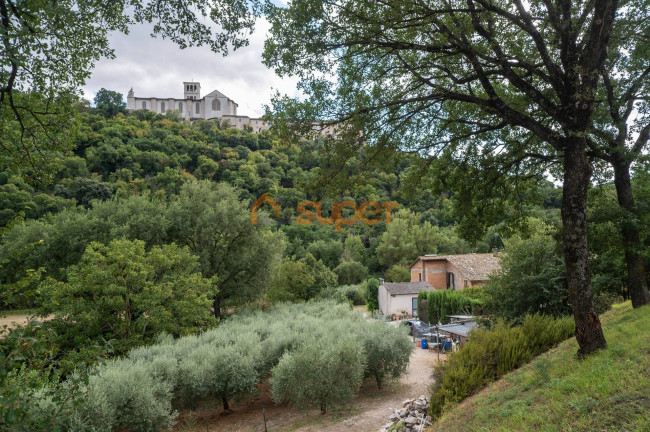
[[394, 298], [454, 271]]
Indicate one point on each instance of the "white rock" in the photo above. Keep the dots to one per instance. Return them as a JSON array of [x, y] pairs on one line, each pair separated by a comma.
[[410, 420]]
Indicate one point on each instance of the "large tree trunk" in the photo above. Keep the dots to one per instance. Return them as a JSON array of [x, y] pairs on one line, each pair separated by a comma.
[[636, 281], [577, 174]]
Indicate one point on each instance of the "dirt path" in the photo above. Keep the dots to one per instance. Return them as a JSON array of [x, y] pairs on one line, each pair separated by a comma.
[[369, 412], [11, 321]]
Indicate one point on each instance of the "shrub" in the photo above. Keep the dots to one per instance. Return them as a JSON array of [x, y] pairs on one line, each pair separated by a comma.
[[398, 273], [531, 279], [351, 272], [490, 353], [372, 290], [354, 293], [323, 374], [348, 294]]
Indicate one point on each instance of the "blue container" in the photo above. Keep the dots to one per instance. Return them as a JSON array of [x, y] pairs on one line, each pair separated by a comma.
[[424, 344], [447, 345]]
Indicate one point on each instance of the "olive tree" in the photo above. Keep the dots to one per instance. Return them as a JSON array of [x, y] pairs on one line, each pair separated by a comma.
[[321, 374]]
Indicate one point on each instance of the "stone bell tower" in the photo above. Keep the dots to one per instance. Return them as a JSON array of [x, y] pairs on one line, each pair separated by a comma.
[[192, 90], [130, 99]]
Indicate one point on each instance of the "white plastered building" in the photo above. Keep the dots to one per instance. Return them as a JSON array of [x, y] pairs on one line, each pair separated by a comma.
[[214, 105]]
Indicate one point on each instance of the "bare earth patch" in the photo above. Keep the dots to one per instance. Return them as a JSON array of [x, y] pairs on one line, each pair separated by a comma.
[[368, 412], [12, 321]]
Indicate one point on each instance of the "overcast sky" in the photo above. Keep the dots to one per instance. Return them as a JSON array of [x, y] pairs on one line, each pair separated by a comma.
[[157, 68]]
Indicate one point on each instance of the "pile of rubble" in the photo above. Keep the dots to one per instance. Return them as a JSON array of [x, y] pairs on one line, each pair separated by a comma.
[[412, 417]]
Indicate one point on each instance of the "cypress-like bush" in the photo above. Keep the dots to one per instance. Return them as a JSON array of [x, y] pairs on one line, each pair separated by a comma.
[[442, 303], [491, 353]]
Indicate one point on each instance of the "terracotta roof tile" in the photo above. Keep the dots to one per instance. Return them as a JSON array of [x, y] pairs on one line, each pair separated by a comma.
[[475, 267]]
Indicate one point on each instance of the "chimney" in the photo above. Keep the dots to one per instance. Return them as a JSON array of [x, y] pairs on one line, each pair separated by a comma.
[[381, 281], [495, 251]]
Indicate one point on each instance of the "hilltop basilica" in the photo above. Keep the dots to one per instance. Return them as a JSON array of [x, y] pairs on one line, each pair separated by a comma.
[[194, 107]]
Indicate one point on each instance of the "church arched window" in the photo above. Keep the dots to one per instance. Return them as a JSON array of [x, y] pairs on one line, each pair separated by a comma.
[[144, 105], [198, 108], [162, 107], [216, 105]]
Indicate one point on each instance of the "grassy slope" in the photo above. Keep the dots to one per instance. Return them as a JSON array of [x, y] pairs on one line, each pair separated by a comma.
[[605, 392]]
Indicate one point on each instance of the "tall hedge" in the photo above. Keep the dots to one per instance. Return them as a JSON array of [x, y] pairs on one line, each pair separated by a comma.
[[441, 304]]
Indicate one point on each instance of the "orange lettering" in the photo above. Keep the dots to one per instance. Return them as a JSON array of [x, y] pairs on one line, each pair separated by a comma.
[[309, 215], [319, 214], [366, 208], [337, 208], [389, 206], [261, 200]]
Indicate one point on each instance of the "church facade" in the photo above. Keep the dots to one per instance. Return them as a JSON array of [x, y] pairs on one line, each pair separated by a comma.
[[214, 105]]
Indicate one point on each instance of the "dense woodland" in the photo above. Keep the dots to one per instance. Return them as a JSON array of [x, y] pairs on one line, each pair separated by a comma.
[[156, 179]]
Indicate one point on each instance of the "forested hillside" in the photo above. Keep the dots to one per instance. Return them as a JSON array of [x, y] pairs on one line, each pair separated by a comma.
[[125, 180], [127, 173]]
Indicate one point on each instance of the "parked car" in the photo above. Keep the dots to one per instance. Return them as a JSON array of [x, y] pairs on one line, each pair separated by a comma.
[[417, 327]]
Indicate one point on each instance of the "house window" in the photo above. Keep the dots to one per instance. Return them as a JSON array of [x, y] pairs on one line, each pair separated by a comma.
[[420, 277], [162, 107], [180, 106], [216, 105], [144, 105], [414, 306], [465, 282], [198, 108], [450, 280]]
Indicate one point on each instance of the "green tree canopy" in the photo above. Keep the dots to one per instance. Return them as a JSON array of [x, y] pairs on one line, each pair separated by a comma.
[[291, 282], [216, 226], [406, 238], [503, 91], [121, 294], [109, 102], [531, 279]]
